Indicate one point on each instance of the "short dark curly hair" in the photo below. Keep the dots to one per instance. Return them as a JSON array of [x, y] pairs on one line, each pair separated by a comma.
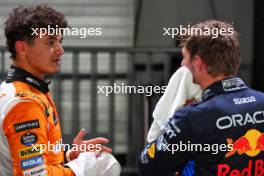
[[21, 20]]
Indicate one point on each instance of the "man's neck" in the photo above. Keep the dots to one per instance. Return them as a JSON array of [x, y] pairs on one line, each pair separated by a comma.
[[28, 69], [208, 80]]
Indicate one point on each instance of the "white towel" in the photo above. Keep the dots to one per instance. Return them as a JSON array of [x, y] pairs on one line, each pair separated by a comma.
[[179, 89], [87, 164]]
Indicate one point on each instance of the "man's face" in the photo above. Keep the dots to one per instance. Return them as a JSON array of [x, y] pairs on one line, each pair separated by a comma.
[[44, 55], [190, 64]]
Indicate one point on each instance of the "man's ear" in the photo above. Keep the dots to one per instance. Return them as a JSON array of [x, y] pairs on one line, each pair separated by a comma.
[[21, 47], [200, 65]]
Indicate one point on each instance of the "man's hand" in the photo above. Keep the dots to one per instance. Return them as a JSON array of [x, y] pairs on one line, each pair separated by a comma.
[[78, 141], [190, 101]]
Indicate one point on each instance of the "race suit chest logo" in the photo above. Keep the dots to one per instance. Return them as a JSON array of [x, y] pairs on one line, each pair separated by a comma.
[[29, 152], [254, 166], [32, 162], [28, 139], [27, 125], [244, 100], [251, 144], [235, 120], [36, 171]]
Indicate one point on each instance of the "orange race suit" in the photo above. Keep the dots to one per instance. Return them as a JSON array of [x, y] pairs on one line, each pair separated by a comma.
[[28, 118]]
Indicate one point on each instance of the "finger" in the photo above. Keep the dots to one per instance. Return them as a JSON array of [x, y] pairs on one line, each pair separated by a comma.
[[98, 140], [79, 136], [107, 149]]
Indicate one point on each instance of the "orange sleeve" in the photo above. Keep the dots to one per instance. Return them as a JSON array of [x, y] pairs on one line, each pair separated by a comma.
[[25, 127]]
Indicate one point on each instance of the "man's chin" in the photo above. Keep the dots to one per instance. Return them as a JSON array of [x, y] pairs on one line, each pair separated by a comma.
[[53, 72], [195, 81]]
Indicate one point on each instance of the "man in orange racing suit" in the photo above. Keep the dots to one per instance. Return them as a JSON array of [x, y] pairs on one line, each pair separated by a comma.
[[28, 116]]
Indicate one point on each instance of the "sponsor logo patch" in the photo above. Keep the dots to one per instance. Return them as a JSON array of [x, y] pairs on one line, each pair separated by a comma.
[[236, 120], [233, 84], [37, 171], [251, 144], [244, 100], [33, 81], [28, 139], [254, 167], [26, 125], [11, 73], [32, 162], [170, 131], [29, 152], [151, 151]]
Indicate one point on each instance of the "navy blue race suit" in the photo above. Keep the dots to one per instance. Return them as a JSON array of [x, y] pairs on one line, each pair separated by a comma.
[[222, 135]]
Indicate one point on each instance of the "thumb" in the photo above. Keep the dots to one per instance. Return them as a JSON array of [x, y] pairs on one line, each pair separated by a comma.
[[79, 136]]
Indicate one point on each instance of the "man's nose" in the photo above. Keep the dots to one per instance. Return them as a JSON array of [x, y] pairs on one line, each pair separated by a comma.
[[59, 50]]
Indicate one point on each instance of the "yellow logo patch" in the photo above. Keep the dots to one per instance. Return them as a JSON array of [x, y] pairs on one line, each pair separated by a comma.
[[151, 151], [29, 152]]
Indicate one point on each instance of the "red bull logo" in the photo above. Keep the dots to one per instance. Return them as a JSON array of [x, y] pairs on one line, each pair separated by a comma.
[[260, 142], [257, 167], [251, 144]]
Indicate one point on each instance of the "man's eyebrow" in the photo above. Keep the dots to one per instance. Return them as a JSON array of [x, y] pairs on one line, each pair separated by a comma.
[[51, 37]]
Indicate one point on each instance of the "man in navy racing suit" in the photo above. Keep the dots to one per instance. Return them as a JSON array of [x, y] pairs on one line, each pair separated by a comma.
[[224, 134]]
